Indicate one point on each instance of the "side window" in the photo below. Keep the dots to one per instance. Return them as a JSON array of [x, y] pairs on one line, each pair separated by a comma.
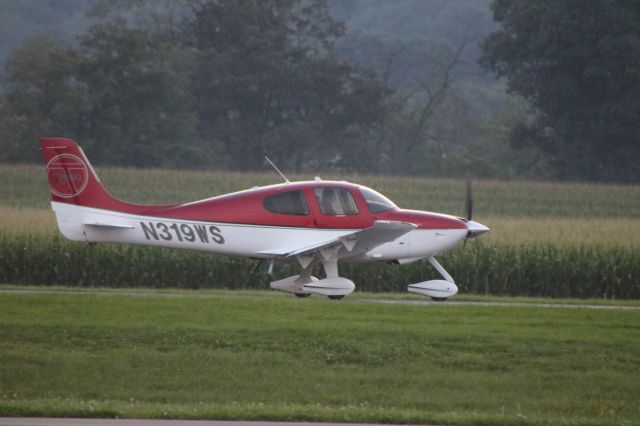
[[336, 201], [292, 202]]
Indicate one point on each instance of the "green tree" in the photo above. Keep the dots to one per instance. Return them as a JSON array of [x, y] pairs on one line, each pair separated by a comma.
[[423, 115], [578, 63], [199, 82], [42, 98], [123, 92], [137, 85], [267, 82]]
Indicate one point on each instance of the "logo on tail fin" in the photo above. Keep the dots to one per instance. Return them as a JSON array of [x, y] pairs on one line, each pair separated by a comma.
[[68, 175]]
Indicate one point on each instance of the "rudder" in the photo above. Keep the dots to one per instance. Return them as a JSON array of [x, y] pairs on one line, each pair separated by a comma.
[[71, 177]]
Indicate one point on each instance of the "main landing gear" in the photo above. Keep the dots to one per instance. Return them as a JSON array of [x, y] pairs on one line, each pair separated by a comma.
[[336, 287], [302, 295], [303, 285]]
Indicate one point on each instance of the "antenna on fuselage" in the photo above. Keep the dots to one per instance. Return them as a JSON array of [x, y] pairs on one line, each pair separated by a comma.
[[276, 169]]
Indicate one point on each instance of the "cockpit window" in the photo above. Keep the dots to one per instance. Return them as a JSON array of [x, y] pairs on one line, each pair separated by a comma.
[[292, 202], [376, 202], [336, 201]]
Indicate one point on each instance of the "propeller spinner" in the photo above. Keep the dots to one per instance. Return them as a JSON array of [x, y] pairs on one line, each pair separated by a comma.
[[475, 228]]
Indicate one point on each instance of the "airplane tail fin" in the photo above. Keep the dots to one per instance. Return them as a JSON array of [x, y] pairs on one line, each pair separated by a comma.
[[75, 186], [72, 179]]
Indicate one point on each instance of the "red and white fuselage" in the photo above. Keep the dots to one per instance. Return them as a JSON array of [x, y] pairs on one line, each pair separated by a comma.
[[306, 222]]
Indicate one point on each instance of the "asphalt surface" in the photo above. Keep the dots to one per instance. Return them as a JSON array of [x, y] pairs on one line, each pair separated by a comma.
[[42, 421]]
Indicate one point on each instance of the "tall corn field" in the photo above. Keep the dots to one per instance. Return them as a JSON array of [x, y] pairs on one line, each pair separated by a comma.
[[552, 240], [535, 270]]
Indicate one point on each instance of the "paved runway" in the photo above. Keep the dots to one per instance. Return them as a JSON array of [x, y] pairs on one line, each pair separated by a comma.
[[42, 421]]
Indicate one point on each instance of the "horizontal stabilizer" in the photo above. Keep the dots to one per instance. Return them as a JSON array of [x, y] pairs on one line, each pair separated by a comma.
[[109, 225]]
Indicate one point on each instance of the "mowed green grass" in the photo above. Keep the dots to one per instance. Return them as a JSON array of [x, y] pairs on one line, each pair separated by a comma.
[[241, 355]]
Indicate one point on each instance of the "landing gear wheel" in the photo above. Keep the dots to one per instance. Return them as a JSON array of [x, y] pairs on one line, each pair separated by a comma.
[[438, 299], [302, 295], [336, 297]]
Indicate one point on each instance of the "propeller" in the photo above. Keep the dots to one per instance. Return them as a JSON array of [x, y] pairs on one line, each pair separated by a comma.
[[475, 229]]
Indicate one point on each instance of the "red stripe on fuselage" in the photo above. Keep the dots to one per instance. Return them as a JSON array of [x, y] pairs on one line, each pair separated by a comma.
[[424, 220], [82, 187], [246, 208]]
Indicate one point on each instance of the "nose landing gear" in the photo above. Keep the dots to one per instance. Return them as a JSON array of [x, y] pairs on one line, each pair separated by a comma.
[[438, 290]]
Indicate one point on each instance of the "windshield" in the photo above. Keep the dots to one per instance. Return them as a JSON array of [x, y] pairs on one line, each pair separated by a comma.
[[376, 202]]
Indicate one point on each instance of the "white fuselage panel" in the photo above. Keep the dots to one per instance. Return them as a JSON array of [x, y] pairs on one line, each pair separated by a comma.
[[81, 223]]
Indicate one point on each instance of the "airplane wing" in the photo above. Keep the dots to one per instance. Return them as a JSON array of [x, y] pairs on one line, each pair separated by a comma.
[[352, 244]]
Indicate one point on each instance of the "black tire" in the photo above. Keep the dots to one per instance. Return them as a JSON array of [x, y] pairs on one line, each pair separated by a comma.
[[438, 299], [302, 295], [336, 297]]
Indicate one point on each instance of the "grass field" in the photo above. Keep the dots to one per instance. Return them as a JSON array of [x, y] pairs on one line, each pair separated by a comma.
[[263, 355], [255, 356]]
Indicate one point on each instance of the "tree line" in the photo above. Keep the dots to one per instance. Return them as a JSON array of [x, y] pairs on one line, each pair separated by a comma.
[[577, 64], [222, 83]]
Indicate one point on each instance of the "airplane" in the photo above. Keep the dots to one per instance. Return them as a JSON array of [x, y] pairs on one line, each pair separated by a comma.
[[306, 223]]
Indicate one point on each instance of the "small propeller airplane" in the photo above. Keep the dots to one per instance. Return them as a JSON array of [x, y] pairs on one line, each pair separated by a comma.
[[306, 223]]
